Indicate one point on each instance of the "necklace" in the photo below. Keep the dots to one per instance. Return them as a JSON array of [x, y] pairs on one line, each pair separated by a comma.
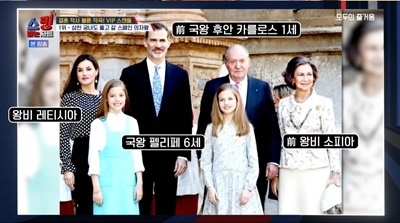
[[298, 127], [95, 92], [298, 101]]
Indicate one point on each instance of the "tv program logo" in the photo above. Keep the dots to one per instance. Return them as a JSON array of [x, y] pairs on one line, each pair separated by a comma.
[[42, 28]]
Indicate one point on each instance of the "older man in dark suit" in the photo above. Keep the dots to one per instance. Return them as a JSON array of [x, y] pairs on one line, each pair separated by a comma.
[[161, 103], [257, 98]]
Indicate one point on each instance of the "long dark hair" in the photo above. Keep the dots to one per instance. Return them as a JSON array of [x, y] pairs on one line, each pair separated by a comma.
[[71, 83]]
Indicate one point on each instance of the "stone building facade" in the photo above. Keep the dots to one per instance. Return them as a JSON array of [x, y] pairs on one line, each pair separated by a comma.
[[320, 40]]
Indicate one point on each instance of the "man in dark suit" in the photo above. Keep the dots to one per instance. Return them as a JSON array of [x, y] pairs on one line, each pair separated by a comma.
[[160, 98], [257, 98]]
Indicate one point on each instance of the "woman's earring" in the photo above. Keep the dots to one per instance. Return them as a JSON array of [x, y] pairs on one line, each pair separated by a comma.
[[77, 83], [95, 80]]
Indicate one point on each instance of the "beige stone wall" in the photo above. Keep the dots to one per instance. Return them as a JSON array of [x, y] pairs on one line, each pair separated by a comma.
[[201, 57]]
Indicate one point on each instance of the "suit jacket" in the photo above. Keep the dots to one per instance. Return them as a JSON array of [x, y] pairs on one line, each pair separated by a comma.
[[175, 115], [260, 111]]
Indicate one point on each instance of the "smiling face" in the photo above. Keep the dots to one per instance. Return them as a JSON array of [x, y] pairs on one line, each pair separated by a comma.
[[116, 99], [157, 44], [86, 73], [303, 78], [227, 102]]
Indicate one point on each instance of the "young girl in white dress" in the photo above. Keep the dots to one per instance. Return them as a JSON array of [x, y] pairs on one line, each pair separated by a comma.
[[229, 160]]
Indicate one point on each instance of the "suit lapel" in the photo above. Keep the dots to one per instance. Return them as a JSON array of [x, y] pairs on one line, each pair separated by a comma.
[[146, 78], [252, 95], [225, 79], [169, 85], [146, 84]]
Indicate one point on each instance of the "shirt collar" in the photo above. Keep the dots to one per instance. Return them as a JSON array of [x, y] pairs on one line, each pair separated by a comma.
[[114, 116], [313, 94], [151, 65], [243, 83]]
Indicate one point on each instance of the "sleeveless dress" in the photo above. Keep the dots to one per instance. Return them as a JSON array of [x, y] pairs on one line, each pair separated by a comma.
[[117, 176]]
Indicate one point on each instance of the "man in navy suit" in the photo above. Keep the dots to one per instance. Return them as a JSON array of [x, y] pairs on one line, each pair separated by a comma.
[[257, 99], [160, 98]]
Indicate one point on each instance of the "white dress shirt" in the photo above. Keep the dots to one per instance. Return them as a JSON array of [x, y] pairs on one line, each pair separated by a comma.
[[97, 141], [242, 89]]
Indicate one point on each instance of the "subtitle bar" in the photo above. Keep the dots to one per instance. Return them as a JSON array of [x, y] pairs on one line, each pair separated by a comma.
[[290, 29]]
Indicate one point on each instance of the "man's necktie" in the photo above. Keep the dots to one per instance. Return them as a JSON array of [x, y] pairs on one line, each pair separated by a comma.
[[237, 85], [157, 90]]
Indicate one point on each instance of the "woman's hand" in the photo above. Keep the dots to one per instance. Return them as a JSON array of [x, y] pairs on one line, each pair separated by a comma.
[[334, 179], [69, 179], [98, 197], [244, 196], [274, 183], [138, 194], [212, 195]]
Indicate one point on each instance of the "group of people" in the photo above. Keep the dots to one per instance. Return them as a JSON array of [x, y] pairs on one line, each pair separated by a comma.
[[243, 136]]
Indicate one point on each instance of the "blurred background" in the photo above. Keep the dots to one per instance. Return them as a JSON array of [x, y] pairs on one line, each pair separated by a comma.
[[363, 114], [38, 143]]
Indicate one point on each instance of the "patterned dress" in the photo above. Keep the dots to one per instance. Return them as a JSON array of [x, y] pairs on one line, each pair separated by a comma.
[[230, 164]]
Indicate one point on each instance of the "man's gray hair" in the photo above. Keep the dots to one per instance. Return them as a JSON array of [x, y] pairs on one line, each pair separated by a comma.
[[233, 46]]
